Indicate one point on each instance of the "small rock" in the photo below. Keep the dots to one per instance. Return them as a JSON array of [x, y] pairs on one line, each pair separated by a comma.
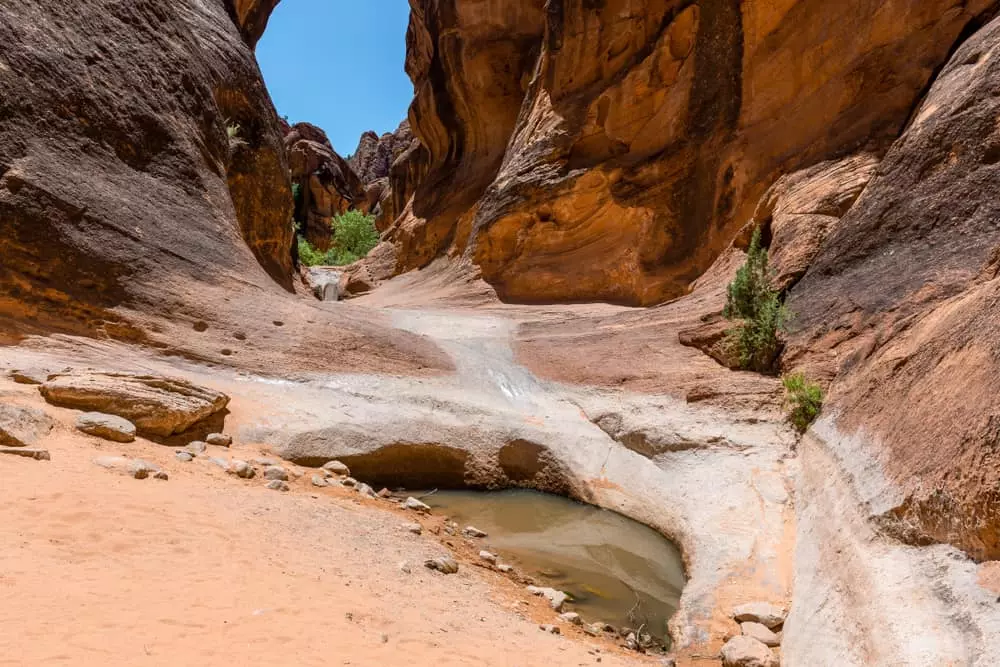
[[417, 506], [28, 453], [241, 469], [109, 427], [765, 613], [444, 565], [414, 528], [747, 652], [161, 475], [222, 463], [278, 485], [184, 457], [349, 481], [140, 469], [631, 643], [551, 629], [404, 567], [365, 490], [276, 473], [319, 480], [556, 598], [337, 468], [472, 531], [761, 633], [264, 462], [23, 427], [219, 439], [571, 617], [506, 569], [197, 447], [668, 661], [384, 493], [488, 557]]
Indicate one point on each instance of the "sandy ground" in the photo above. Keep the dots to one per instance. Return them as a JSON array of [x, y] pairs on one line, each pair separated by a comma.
[[101, 569]]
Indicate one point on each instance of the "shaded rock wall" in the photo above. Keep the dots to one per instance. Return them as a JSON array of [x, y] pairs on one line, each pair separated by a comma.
[[117, 181], [899, 308], [610, 151]]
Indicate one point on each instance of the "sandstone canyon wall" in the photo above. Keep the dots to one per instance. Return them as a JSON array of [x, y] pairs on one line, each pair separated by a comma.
[[609, 151]]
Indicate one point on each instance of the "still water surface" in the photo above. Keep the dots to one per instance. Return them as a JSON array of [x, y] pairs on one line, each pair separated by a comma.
[[616, 570]]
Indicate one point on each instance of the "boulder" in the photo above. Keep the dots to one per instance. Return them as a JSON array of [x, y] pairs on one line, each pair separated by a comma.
[[156, 405], [109, 427], [747, 652], [769, 615]]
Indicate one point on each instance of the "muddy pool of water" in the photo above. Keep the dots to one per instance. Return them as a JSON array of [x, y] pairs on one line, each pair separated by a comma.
[[616, 570]]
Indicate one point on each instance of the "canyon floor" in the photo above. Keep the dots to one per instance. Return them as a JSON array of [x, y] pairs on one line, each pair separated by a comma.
[[595, 402]]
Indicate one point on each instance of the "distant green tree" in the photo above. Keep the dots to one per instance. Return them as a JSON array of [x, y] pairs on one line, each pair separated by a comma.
[[354, 236]]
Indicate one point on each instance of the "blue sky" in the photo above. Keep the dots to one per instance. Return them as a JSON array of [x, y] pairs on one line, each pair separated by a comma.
[[338, 64]]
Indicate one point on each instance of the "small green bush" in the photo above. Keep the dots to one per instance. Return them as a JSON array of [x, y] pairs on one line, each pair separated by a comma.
[[805, 400], [354, 236], [754, 341], [354, 233], [233, 134]]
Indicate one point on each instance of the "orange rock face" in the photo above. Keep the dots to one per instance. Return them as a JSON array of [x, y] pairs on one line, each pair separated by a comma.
[[610, 151]]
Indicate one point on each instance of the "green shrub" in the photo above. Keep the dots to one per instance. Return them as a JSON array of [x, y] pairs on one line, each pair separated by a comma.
[[805, 400], [354, 235], [754, 341], [233, 134]]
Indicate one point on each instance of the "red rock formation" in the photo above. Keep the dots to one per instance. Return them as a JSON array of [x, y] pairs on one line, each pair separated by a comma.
[[327, 183], [899, 311], [126, 210], [581, 151]]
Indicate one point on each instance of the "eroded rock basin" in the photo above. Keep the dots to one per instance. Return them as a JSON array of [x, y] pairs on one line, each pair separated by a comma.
[[616, 570]]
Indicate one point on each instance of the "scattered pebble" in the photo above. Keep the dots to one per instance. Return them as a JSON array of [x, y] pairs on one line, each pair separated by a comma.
[[551, 629], [197, 447], [506, 569], [349, 481], [337, 468], [404, 567], [319, 480], [384, 493], [488, 557], [761, 633], [571, 617], [184, 457], [276, 473], [765, 613], [219, 439], [161, 475], [744, 651], [472, 531], [242, 469], [417, 506], [444, 565], [414, 528], [278, 485], [556, 598], [140, 469]]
